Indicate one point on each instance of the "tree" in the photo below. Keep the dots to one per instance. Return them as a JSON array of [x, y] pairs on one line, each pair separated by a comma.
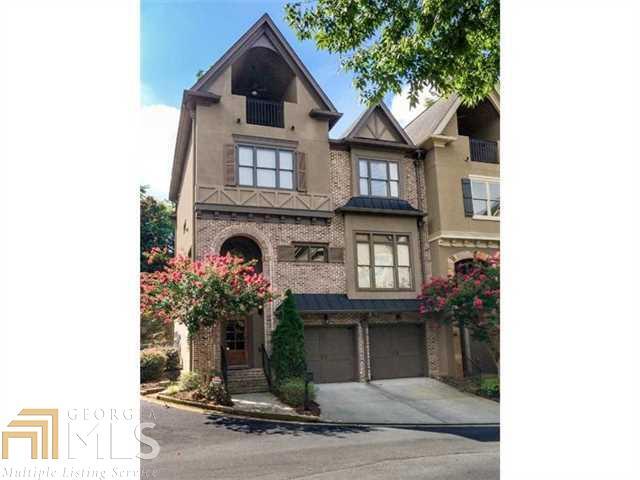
[[201, 293], [288, 358], [156, 229], [470, 299], [444, 45]]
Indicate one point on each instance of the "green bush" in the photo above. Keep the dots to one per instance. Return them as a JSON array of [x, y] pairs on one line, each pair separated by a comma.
[[190, 380], [215, 392], [152, 364], [173, 360], [490, 386], [288, 343], [291, 391]]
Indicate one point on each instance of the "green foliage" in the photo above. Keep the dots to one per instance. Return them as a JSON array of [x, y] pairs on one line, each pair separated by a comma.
[[156, 228], [152, 364], [215, 392], [288, 358], [157, 362], [442, 45], [153, 331], [490, 386], [470, 299], [172, 366], [173, 389], [291, 391], [190, 380]]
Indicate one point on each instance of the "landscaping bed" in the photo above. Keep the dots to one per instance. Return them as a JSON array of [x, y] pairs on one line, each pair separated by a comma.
[[486, 386]]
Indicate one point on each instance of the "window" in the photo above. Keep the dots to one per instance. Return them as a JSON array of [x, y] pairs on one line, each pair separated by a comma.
[[383, 261], [265, 167], [378, 178], [486, 198], [310, 253]]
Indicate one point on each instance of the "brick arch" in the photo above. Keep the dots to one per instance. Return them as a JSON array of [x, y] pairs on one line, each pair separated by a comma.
[[464, 255], [249, 231], [268, 265]]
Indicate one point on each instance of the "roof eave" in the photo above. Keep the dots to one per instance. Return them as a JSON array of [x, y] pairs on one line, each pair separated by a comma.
[[382, 211]]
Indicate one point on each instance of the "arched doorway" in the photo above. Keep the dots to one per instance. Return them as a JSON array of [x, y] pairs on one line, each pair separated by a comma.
[[243, 247], [242, 337]]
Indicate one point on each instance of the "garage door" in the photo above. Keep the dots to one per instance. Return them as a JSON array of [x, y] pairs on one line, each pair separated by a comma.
[[330, 354], [397, 351]]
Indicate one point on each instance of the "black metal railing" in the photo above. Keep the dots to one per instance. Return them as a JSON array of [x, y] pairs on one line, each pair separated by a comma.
[[265, 112], [223, 364], [266, 365], [483, 150]]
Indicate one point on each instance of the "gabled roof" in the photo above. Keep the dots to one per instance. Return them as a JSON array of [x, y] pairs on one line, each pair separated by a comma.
[[356, 131], [263, 33], [433, 120], [385, 205]]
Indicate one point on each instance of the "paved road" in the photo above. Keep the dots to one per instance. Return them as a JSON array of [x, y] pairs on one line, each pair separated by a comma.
[[197, 446], [403, 400]]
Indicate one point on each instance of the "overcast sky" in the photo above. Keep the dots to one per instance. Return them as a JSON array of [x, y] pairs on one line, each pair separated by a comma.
[[180, 38]]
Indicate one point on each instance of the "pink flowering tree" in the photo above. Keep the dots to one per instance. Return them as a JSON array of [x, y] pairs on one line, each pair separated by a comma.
[[199, 293], [470, 298]]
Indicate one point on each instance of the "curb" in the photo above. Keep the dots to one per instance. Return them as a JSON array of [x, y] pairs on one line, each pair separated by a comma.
[[238, 412]]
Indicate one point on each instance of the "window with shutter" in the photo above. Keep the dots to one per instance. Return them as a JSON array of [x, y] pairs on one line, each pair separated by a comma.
[[230, 165], [301, 166]]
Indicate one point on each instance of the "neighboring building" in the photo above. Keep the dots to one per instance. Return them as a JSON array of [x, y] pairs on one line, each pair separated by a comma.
[[339, 222], [462, 181]]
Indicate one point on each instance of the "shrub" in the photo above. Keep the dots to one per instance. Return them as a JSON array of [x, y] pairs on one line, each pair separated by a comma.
[[288, 343], [490, 386], [190, 380], [215, 392], [291, 391], [152, 364], [173, 359]]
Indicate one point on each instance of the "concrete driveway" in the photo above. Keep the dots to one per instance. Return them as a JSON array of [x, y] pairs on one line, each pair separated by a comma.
[[404, 400]]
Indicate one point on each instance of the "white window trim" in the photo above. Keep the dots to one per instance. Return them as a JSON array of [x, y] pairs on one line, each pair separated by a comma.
[[369, 179], [486, 180]]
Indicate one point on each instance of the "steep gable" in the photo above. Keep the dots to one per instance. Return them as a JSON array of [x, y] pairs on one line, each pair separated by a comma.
[[377, 123], [264, 33]]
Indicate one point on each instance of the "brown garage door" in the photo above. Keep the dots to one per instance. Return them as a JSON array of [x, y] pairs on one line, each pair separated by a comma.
[[396, 351], [330, 354]]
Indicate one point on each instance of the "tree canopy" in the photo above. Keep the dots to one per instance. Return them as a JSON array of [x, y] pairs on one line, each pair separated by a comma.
[[444, 46], [470, 299], [156, 228]]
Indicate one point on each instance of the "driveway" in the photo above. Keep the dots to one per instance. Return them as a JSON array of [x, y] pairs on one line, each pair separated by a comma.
[[197, 446], [404, 400]]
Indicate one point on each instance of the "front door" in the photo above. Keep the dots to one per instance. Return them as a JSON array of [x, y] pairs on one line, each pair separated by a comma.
[[237, 343]]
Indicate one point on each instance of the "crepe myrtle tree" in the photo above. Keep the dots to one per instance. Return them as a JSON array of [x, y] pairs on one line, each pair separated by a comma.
[[470, 298], [200, 293], [444, 46]]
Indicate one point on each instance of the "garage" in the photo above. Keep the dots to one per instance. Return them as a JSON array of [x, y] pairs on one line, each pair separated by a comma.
[[331, 353], [397, 351]]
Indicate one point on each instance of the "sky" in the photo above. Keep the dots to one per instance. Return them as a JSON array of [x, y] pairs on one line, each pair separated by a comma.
[[178, 38]]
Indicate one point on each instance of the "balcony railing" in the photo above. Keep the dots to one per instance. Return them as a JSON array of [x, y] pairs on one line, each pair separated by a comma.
[[483, 150], [265, 112]]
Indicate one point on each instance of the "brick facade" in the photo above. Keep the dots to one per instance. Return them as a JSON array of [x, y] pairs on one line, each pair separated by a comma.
[[212, 230]]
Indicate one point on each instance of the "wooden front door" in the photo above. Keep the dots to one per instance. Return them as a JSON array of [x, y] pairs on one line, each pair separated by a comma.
[[237, 342]]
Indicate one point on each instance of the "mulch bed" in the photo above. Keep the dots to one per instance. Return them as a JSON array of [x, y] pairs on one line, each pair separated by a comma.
[[314, 409]]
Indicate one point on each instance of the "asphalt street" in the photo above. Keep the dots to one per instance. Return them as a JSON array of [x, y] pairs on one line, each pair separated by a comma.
[[199, 446]]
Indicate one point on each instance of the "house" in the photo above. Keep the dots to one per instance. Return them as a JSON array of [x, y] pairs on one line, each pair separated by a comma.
[[462, 182], [340, 222]]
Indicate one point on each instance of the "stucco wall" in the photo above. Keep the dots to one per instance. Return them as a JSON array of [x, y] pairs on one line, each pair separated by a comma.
[[217, 124]]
